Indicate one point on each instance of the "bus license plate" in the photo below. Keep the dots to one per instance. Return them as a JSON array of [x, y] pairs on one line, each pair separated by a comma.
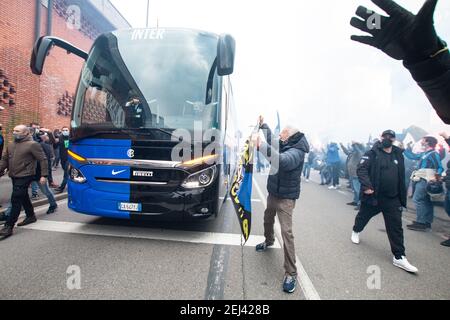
[[134, 207]]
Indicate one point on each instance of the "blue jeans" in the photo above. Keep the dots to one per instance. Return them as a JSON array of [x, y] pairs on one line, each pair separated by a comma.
[[356, 186], [335, 173], [447, 202], [8, 210], [49, 194], [307, 171], [424, 206], [34, 188], [57, 158], [65, 166]]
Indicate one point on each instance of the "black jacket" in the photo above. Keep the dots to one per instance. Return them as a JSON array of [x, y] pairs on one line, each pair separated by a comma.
[[289, 158], [369, 174], [63, 148], [433, 76], [48, 153]]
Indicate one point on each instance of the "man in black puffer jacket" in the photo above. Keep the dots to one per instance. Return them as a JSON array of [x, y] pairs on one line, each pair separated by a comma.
[[287, 162]]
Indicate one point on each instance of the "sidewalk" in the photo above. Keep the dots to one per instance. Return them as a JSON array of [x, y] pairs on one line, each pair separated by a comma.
[[6, 188]]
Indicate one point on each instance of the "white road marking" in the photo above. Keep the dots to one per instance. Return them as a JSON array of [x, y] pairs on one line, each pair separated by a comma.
[[305, 282], [144, 233], [229, 199]]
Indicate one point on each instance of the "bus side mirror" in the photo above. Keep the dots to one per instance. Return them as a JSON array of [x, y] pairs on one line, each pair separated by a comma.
[[43, 47], [225, 55]]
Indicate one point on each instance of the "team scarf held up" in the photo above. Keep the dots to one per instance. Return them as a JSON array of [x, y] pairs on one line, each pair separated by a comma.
[[241, 190]]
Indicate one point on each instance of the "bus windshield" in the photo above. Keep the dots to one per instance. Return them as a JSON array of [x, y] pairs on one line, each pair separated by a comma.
[[146, 79]]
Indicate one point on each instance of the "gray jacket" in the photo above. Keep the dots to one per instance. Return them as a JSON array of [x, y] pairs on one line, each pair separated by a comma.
[[354, 158]]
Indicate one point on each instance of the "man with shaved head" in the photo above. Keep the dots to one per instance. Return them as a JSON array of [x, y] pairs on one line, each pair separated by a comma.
[[21, 158]]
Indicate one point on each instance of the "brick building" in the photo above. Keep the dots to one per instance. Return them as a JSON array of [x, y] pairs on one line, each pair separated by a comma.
[[48, 99]]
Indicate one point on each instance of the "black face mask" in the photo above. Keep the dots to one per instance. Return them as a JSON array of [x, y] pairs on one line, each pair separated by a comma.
[[387, 143]]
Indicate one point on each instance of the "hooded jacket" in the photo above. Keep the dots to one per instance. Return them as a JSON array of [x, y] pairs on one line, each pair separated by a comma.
[[285, 183], [354, 158], [369, 171], [21, 159], [333, 154]]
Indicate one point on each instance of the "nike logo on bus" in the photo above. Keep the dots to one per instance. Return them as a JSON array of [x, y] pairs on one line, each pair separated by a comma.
[[115, 173]]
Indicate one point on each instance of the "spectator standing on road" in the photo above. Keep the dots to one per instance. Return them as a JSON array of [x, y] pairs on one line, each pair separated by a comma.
[[308, 165], [64, 156], [45, 187], [446, 136], [284, 190], [35, 129], [382, 173], [429, 170], [354, 158], [51, 142], [56, 135], [21, 159], [334, 162]]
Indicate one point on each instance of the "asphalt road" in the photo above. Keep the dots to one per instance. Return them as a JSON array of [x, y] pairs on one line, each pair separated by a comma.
[[204, 260]]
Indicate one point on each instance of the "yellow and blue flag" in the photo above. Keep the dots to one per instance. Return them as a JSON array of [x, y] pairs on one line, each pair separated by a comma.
[[241, 189]]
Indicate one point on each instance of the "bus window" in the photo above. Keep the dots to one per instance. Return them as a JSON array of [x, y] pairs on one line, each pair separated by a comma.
[[123, 88]]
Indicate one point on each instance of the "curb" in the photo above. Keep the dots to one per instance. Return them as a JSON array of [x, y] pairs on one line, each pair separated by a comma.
[[43, 202]]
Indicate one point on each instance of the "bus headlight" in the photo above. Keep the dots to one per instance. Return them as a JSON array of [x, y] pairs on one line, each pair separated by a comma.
[[76, 175], [200, 179]]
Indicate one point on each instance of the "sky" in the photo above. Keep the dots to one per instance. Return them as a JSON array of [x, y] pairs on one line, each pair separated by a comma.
[[296, 57]]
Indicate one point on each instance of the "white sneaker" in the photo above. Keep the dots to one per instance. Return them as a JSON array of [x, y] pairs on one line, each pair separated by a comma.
[[332, 188], [404, 264], [355, 237]]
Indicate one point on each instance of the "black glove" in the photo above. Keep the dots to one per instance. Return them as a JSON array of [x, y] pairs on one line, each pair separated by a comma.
[[402, 35]]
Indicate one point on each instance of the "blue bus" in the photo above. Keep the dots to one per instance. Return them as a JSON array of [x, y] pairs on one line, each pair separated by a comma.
[[142, 94]]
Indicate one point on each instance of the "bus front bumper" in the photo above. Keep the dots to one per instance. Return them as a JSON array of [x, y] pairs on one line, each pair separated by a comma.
[[185, 204]]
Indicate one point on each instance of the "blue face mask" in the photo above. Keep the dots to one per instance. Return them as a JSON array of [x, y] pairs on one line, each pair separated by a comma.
[[65, 133]]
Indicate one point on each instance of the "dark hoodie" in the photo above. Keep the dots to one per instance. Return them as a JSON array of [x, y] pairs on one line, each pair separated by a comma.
[[289, 158], [369, 172]]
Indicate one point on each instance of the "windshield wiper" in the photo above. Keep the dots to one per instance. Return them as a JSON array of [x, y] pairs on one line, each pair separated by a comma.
[[155, 129]]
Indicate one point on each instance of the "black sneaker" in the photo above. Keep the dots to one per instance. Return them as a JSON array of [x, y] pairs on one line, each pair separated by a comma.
[[416, 226], [52, 210], [446, 243], [6, 232], [263, 246], [27, 221], [354, 204], [35, 197]]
